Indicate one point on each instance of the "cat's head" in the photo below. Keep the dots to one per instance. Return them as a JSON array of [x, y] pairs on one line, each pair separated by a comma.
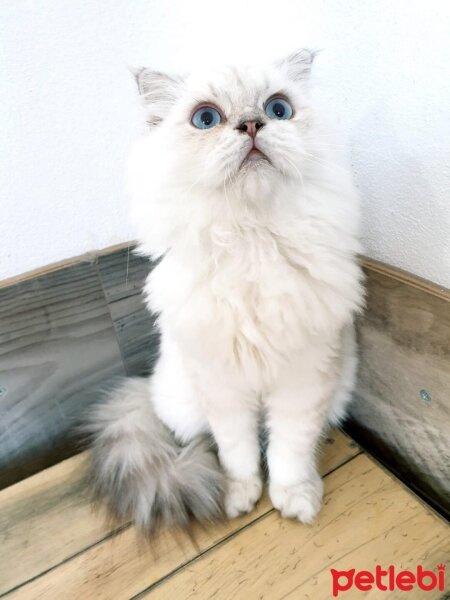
[[237, 128]]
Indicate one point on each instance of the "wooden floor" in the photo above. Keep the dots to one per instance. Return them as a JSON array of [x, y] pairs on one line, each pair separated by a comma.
[[53, 547]]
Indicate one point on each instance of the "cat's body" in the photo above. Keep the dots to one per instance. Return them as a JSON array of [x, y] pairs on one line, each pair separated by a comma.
[[256, 293]]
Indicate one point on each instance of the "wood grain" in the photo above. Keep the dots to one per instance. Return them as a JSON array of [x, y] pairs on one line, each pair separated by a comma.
[[367, 519], [402, 410], [117, 567], [57, 346], [62, 264], [123, 275], [46, 519]]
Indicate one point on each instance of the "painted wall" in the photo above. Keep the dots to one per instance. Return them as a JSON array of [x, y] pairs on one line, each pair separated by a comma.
[[70, 112]]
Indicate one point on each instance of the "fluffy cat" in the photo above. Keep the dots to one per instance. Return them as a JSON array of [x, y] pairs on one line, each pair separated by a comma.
[[255, 230]]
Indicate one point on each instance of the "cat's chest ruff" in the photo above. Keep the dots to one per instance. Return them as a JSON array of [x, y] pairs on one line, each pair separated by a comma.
[[251, 268], [254, 289], [247, 303]]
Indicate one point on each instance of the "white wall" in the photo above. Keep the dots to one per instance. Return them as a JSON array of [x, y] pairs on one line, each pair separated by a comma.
[[70, 112]]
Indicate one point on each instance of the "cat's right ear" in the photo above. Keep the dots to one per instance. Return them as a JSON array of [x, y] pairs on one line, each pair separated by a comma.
[[159, 92]]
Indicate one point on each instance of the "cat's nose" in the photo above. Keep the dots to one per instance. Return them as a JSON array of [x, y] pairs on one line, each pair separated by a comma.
[[250, 127]]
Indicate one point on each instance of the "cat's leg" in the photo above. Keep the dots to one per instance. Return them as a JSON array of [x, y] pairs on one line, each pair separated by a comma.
[[297, 411], [191, 404], [233, 419], [347, 377], [174, 394]]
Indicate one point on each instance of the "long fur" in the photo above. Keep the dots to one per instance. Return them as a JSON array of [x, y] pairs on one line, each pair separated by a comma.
[[256, 291], [142, 473]]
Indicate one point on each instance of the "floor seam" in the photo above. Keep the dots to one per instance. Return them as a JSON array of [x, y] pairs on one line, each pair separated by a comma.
[[111, 534], [224, 540]]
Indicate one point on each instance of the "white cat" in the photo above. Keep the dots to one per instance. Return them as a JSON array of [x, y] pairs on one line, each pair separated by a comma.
[[237, 192]]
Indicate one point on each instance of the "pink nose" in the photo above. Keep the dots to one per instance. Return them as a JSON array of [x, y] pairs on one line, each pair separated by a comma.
[[251, 128]]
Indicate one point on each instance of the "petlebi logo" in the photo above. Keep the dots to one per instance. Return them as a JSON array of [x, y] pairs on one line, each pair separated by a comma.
[[388, 580]]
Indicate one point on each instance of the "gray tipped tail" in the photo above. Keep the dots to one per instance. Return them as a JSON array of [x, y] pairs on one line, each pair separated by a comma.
[[140, 471]]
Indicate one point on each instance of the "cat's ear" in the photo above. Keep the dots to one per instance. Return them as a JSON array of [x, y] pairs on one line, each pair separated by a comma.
[[159, 92], [298, 64]]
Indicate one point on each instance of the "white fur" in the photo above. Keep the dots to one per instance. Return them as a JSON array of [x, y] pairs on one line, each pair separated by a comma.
[[259, 282]]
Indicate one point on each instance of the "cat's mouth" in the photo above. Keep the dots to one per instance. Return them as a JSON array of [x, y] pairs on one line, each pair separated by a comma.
[[254, 155]]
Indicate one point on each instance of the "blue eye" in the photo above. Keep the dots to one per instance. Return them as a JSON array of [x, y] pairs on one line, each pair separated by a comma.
[[278, 108], [206, 117]]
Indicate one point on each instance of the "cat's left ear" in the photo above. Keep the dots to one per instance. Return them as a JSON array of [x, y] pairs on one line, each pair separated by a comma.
[[298, 64], [159, 93]]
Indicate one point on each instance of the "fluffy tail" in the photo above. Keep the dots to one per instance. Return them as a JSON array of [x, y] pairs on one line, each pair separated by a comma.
[[140, 471]]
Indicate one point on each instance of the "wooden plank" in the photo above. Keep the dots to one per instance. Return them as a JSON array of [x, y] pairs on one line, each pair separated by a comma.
[[402, 412], [119, 566], [123, 275], [399, 275], [62, 264], [57, 346], [46, 519], [368, 519]]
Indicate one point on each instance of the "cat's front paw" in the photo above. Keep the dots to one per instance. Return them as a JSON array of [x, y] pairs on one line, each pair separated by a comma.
[[242, 495], [301, 501]]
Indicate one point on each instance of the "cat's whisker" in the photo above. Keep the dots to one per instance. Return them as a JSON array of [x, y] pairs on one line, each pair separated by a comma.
[[356, 150], [191, 187], [128, 266], [297, 170], [228, 176], [225, 191], [347, 148], [323, 162]]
